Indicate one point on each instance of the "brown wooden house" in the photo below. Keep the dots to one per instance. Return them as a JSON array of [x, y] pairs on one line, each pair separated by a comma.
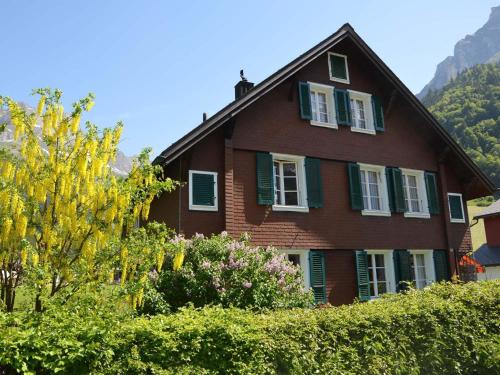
[[334, 161]]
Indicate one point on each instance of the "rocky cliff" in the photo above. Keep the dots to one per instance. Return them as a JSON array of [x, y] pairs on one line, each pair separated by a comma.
[[481, 47]]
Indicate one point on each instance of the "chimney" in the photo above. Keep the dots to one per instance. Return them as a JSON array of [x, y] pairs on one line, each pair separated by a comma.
[[242, 87], [204, 116]]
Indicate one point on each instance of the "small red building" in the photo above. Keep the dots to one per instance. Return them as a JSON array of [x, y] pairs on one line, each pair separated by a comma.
[[488, 254], [334, 161]]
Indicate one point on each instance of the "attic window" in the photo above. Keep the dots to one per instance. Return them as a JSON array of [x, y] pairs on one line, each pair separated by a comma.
[[338, 67]]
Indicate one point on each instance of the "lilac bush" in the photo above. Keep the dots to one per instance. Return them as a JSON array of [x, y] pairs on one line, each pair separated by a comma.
[[222, 271]]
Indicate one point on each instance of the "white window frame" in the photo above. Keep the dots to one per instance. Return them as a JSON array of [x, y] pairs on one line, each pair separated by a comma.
[[335, 79], [384, 195], [461, 205], [330, 105], [367, 102], [389, 270], [196, 207], [430, 272], [301, 183], [304, 263], [422, 194]]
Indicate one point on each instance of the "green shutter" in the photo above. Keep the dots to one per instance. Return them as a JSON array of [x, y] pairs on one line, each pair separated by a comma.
[[456, 211], [394, 178], [441, 265], [338, 67], [203, 189], [378, 114], [362, 277], [317, 275], [355, 192], [343, 107], [432, 193], [265, 179], [402, 268], [313, 182], [305, 101]]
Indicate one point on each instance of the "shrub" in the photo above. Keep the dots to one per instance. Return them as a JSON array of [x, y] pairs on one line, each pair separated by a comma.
[[222, 271], [445, 329]]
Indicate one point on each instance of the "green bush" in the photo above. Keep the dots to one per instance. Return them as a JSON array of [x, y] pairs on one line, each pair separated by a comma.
[[445, 329], [222, 271]]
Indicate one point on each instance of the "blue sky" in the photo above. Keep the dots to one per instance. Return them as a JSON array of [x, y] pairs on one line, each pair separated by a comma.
[[158, 65]]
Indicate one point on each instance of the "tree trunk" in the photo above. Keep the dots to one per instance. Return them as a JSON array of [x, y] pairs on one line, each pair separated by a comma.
[[10, 296], [38, 303]]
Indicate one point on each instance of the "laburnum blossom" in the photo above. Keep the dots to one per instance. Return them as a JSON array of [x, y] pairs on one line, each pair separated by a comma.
[[58, 192]]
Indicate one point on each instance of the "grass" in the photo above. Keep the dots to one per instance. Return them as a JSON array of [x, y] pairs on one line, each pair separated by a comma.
[[477, 231]]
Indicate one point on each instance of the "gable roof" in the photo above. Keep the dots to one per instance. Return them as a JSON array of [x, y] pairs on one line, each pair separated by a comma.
[[492, 210], [346, 31], [487, 255]]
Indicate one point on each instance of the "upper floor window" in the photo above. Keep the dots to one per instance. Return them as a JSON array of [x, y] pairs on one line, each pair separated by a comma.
[[456, 206], [322, 106], [339, 71], [202, 190], [361, 112], [374, 190], [289, 183], [415, 194], [422, 267]]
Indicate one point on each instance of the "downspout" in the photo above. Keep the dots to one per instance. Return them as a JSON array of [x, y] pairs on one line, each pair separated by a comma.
[[180, 195], [452, 258]]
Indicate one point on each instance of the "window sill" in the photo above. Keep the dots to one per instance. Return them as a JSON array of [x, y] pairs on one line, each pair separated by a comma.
[[341, 80], [375, 213], [364, 131], [203, 208], [290, 208], [374, 298], [324, 124], [457, 221], [418, 215]]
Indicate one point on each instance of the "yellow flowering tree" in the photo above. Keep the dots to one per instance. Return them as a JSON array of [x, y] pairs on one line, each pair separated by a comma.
[[62, 210]]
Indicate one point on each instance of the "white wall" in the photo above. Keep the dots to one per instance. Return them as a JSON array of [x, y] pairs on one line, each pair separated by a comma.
[[490, 273]]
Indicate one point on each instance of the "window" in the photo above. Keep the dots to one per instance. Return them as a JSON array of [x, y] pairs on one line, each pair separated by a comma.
[[202, 191], [337, 65], [322, 105], [415, 194], [380, 272], [289, 183], [299, 258], [456, 206], [361, 112], [374, 190], [422, 268]]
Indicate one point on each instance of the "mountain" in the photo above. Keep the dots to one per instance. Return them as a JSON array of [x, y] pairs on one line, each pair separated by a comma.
[[481, 47], [469, 108], [121, 166]]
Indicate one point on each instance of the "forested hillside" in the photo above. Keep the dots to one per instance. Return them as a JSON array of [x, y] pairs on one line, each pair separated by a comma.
[[469, 108]]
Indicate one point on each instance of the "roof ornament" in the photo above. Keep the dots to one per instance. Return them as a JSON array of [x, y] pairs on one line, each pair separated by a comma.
[[242, 75]]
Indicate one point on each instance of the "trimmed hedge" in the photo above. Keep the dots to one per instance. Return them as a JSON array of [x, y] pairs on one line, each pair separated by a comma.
[[446, 329]]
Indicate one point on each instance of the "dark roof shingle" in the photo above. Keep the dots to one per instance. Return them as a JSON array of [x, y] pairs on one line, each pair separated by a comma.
[[487, 255]]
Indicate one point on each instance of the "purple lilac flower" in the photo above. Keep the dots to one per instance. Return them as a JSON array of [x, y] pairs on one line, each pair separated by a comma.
[[205, 264], [247, 284], [216, 282]]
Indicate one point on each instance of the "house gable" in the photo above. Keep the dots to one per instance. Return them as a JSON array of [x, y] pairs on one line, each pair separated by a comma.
[[477, 183]]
